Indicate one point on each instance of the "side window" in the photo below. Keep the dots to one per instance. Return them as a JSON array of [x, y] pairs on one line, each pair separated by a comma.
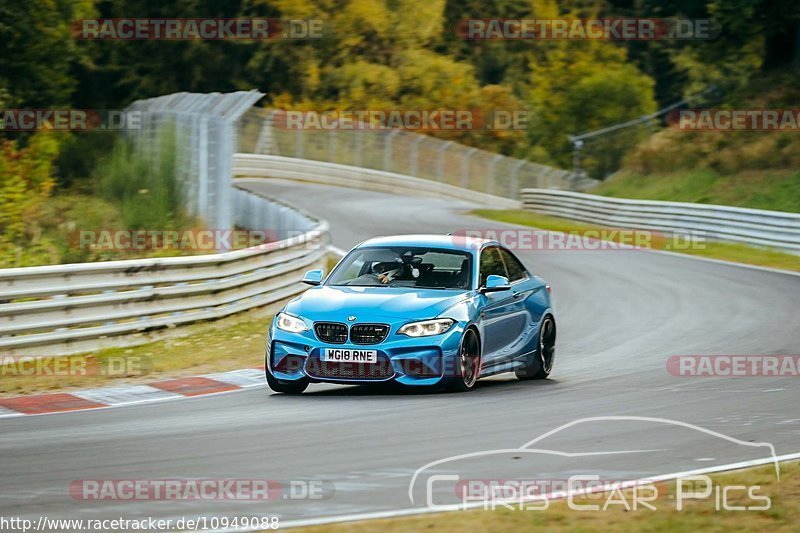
[[491, 263], [516, 271]]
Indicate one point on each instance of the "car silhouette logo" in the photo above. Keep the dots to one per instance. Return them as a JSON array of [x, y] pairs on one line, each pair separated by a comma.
[[352, 318]]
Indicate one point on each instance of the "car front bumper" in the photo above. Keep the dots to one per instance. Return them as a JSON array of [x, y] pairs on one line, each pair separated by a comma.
[[422, 361]]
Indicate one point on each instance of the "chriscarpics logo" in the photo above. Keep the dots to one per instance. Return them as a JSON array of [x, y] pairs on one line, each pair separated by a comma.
[[596, 464]]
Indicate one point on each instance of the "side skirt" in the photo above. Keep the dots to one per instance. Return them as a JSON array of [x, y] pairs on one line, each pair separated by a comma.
[[501, 368]]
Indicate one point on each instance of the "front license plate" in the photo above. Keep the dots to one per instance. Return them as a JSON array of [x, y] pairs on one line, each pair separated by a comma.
[[345, 355]]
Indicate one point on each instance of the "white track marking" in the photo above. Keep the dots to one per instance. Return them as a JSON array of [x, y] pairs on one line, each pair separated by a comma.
[[6, 412], [244, 378], [124, 394], [476, 505], [127, 404]]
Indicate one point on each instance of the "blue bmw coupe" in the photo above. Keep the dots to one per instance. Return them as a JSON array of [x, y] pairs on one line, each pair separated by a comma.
[[418, 310]]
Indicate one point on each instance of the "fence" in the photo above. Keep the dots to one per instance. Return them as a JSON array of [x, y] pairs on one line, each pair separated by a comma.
[[404, 153], [205, 128], [752, 226], [253, 167]]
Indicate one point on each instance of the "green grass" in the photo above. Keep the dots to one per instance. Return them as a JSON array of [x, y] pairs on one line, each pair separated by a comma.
[[69, 212], [697, 515], [774, 190], [739, 253], [756, 169], [61, 218]]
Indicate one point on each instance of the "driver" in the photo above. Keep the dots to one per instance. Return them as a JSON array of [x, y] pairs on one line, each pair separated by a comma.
[[386, 271], [380, 273]]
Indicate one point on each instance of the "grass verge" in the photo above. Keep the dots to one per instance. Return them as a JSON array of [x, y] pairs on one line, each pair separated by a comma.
[[697, 515], [226, 344], [739, 253], [777, 190]]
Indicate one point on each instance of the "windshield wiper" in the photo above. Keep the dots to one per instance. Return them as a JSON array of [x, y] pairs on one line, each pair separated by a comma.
[[405, 287]]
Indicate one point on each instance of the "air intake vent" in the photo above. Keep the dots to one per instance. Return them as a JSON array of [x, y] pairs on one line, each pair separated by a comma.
[[332, 332], [368, 333]]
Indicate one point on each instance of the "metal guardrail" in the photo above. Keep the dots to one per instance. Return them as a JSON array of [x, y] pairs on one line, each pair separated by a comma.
[[751, 226], [250, 166], [72, 308]]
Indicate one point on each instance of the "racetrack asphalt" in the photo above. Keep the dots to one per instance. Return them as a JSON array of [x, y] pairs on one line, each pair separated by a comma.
[[621, 315]]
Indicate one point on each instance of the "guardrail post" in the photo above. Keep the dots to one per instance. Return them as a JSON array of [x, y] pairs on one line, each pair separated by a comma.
[[225, 148], [264, 145], [490, 177], [202, 169], [298, 144], [465, 167], [387, 150], [358, 148], [440, 160], [415, 154], [515, 179], [332, 145]]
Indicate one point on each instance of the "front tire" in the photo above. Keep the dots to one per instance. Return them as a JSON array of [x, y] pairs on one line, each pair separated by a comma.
[[285, 387], [469, 363], [541, 362]]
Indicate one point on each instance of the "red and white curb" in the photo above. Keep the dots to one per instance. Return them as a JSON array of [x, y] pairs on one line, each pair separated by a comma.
[[170, 389]]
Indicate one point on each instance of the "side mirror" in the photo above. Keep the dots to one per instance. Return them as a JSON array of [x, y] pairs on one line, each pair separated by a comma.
[[313, 277], [495, 284]]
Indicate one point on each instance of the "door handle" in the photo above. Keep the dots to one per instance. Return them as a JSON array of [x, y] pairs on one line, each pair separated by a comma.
[[517, 294]]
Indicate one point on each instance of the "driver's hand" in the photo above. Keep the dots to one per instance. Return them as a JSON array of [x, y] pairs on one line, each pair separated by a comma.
[[383, 278]]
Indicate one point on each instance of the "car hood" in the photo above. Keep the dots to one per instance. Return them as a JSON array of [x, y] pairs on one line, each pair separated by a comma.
[[369, 304]]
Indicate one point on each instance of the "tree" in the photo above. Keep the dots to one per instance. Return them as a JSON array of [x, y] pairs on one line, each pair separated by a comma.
[[25, 183]]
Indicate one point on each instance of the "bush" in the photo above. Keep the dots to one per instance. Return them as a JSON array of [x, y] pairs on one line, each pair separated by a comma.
[[145, 184], [25, 183]]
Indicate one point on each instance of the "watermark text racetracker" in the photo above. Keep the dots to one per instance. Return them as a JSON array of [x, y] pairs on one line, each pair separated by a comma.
[[167, 239], [69, 120], [193, 29], [582, 240], [402, 119], [200, 489], [74, 366], [599, 29], [186, 240], [735, 119], [734, 365]]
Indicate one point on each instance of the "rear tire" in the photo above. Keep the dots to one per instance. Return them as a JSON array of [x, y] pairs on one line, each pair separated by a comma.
[[540, 363], [469, 363]]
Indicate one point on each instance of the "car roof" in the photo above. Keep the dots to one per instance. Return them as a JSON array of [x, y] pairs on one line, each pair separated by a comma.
[[446, 242]]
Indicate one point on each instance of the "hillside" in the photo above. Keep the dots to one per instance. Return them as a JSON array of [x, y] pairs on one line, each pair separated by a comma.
[[758, 169]]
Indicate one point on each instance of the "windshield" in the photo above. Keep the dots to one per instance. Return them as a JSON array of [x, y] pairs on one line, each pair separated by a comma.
[[417, 267]]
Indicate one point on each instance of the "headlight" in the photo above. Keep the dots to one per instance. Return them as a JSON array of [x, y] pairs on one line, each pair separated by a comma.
[[290, 323], [426, 328]]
